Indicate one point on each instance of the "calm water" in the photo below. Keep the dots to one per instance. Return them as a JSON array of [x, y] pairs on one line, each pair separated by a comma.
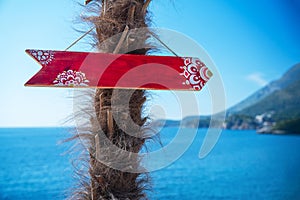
[[243, 165]]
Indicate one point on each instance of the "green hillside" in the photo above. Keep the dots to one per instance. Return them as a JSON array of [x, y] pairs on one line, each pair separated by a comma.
[[289, 126], [290, 77], [285, 104], [274, 108]]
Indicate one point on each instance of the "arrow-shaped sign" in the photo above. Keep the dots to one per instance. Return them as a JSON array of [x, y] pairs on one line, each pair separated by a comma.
[[127, 71]]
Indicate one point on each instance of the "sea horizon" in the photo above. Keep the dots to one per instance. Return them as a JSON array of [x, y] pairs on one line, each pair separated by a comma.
[[243, 165]]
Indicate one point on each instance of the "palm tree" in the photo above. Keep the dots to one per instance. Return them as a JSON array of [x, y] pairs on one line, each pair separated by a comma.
[[114, 107]]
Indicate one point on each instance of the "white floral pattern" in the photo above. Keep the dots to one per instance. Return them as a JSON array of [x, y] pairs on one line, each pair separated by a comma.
[[71, 78], [43, 56], [195, 72]]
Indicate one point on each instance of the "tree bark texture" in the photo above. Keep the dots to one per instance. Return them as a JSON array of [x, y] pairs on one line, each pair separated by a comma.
[[116, 25]]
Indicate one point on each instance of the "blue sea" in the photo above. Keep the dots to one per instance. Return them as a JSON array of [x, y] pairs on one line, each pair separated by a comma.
[[34, 164]]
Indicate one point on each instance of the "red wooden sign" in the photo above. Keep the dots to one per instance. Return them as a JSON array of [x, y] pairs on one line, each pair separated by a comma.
[[104, 70]]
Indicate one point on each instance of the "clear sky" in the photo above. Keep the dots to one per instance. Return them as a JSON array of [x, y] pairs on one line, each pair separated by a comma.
[[251, 42]]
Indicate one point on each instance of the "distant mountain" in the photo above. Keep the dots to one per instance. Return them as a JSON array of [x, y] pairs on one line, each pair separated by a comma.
[[187, 122], [274, 107], [284, 104], [165, 123], [288, 78], [196, 122]]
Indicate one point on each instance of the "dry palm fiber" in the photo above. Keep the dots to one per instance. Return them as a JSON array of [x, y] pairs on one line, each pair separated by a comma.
[[115, 109]]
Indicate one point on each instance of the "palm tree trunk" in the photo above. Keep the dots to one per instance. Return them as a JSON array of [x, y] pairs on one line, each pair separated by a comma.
[[114, 17]]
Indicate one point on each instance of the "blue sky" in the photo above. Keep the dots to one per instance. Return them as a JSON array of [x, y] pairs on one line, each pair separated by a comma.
[[251, 42]]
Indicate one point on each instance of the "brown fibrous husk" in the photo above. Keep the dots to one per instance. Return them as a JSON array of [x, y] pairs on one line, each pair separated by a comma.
[[127, 129]]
